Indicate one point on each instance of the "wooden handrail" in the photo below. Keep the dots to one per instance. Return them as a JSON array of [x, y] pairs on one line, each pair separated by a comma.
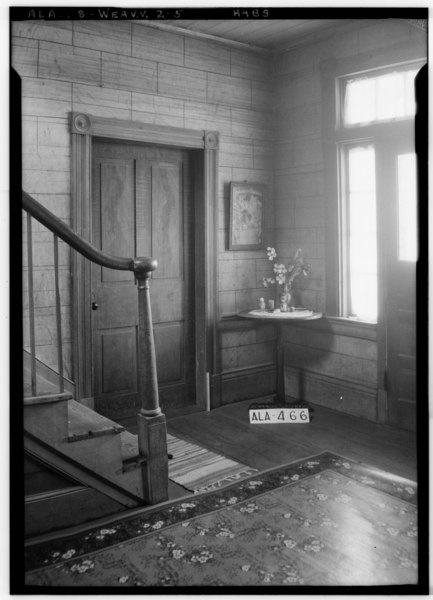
[[57, 226], [152, 431]]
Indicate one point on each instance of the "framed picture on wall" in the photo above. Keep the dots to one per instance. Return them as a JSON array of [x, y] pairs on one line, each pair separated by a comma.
[[247, 216]]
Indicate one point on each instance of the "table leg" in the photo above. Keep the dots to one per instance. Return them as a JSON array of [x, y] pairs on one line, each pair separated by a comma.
[[280, 396]]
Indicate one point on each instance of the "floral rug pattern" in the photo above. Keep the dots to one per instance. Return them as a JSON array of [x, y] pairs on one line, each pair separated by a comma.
[[320, 521]]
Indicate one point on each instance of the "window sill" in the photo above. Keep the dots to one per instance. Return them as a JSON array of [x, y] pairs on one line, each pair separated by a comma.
[[351, 327], [353, 321], [342, 326]]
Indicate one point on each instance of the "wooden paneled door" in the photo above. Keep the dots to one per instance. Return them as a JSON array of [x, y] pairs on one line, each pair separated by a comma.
[[397, 200], [142, 205]]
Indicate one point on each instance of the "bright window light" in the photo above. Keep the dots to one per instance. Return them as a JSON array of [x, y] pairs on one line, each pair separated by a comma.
[[361, 235], [380, 98], [360, 101], [407, 207]]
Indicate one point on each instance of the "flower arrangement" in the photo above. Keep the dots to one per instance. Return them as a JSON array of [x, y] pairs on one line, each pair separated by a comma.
[[285, 275]]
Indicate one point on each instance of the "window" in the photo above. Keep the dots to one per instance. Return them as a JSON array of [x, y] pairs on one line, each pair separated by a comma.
[[360, 232], [379, 98], [372, 105]]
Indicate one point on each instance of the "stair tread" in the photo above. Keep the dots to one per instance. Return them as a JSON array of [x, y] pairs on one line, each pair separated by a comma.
[[46, 398], [82, 420]]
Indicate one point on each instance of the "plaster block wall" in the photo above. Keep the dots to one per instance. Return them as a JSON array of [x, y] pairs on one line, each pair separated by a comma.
[[268, 112], [131, 71], [330, 363]]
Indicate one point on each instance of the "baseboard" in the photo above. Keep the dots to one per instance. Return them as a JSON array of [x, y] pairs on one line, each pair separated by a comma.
[[248, 383], [382, 406], [128, 412], [215, 391], [331, 392]]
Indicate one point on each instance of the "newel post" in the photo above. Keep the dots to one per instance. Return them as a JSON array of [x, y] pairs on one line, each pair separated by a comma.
[[152, 430]]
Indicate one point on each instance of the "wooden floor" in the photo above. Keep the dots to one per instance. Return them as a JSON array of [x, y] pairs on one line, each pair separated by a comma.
[[226, 430]]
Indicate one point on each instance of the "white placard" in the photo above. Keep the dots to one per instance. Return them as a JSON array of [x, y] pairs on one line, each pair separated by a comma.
[[279, 415]]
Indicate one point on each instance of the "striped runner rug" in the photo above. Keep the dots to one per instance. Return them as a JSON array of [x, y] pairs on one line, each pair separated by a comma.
[[200, 470]]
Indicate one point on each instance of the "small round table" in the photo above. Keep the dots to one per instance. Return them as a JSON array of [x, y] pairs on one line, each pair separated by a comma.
[[279, 319]]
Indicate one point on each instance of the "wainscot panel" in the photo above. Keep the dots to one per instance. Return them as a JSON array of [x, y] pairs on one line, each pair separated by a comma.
[[242, 384], [332, 392]]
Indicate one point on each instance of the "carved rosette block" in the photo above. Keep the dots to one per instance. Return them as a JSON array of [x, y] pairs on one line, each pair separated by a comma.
[[81, 123], [211, 140]]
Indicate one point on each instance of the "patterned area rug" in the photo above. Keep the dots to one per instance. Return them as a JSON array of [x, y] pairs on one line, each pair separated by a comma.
[[200, 470], [320, 521]]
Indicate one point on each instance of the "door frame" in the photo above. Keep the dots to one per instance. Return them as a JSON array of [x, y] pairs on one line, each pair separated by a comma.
[[204, 153], [387, 147]]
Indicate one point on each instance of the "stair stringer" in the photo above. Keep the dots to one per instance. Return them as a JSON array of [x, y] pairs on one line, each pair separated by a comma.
[[60, 461], [87, 438]]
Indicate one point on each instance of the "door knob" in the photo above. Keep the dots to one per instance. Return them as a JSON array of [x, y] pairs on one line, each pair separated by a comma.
[[94, 306]]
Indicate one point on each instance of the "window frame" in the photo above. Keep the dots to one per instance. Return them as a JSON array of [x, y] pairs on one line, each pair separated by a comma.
[[333, 73], [342, 80], [343, 234]]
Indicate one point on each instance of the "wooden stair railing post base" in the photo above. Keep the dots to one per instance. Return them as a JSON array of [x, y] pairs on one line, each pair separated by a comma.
[[152, 429], [152, 444]]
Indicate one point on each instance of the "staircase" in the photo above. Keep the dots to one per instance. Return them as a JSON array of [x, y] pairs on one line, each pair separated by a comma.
[[81, 465], [98, 459]]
